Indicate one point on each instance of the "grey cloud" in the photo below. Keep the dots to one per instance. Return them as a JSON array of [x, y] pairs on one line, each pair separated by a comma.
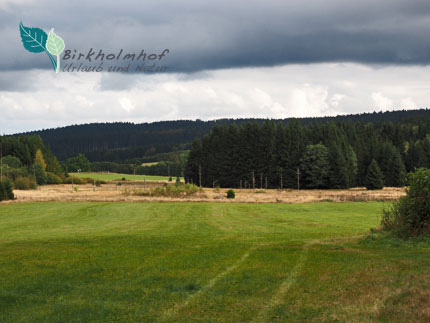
[[229, 34]]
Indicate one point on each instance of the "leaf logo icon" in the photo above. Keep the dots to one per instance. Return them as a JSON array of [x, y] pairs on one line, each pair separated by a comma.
[[35, 40], [55, 45]]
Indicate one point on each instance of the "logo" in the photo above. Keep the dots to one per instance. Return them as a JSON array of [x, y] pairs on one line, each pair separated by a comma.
[[35, 40]]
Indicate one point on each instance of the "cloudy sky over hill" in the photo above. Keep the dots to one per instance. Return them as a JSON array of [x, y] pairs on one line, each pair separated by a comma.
[[270, 59]]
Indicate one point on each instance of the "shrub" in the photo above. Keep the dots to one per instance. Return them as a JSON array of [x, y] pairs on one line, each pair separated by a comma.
[[410, 216], [99, 182], [14, 173], [231, 194], [6, 192], [51, 178], [25, 183], [217, 189]]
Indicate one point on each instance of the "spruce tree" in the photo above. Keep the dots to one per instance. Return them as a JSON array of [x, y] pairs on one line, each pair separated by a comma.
[[374, 179], [338, 173], [397, 173], [352, 166], [195, 160], [40, 174], [296, 141], [315, 166]]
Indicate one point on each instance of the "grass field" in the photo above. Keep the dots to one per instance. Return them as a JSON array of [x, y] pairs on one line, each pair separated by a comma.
[[115, 176], [209, 262]]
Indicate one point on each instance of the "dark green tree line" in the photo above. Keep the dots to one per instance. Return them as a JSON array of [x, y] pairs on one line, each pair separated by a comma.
[[319, 155]]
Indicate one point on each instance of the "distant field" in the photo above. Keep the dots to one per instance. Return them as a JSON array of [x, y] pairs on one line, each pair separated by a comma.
[[115, 176], [149, 164], [209, 262]]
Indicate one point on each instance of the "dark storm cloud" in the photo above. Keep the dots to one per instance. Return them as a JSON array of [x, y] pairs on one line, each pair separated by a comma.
[[227, 34]]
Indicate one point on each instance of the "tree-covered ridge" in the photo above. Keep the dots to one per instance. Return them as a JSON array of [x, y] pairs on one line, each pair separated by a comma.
[[26, 162], [315, 155], [122, 141], [29, 150]]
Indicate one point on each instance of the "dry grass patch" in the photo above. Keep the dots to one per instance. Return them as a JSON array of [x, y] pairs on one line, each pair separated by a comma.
[[140, 191]]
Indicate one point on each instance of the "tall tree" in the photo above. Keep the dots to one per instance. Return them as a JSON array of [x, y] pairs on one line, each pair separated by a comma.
[[39, 160], [195, 161], [374, 178], [338, 170], [315, 166]]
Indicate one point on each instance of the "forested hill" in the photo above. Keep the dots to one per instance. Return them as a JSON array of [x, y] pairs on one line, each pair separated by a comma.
[[121, 141]]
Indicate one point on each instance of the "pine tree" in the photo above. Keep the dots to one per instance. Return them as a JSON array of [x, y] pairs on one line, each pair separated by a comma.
[[352, 166], [265, 161], [195, 160], [40, 174], [315, 166], [392, 165], [282, 156], [338, 173], [296, 140], [396, 174], [374, 179]]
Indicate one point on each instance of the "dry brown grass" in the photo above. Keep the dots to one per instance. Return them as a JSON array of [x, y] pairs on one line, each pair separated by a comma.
[[113, 193], [411, 304]]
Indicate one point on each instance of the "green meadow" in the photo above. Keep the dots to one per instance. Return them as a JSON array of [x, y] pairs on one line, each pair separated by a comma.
[[118, 177], [207, 262]]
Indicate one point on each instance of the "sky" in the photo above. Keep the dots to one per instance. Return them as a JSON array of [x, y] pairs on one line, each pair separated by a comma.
[[225, 59]]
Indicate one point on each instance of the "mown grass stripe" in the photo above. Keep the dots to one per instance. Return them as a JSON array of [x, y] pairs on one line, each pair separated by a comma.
[[172, 311], [284, 287]]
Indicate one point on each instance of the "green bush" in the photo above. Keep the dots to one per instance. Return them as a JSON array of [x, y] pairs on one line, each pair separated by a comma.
[[410, 216], [51, 178], [99, 182], [25, 183], [6, 192], [231, 194], [14, 173]]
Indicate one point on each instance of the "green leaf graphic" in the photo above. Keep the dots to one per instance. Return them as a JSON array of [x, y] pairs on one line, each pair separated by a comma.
[[34, 40], [55, 45]]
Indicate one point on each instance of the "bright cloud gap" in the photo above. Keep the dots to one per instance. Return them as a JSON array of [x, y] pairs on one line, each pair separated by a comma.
[[40, 99]]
